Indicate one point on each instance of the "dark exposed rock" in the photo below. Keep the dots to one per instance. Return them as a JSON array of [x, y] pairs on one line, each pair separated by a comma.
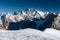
[[3, 18], [47, 22], [21, 25]]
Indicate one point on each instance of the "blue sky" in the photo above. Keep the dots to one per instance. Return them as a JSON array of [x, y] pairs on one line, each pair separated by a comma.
[[45, 5]]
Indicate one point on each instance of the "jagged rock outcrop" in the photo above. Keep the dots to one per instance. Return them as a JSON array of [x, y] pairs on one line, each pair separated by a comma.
[[1, 25], [56, 23]]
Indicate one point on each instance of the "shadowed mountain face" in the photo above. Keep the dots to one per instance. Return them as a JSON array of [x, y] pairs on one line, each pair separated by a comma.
[[47, 22], [21, 25]]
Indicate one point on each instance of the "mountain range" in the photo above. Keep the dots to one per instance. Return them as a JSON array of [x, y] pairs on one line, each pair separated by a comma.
[[29, 18]]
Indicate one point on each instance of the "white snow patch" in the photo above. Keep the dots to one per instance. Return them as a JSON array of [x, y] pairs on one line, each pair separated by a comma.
[[53, 32], [25, 34]]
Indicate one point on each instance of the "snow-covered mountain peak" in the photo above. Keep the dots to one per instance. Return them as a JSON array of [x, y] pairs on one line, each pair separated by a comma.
[[38, 17], [31, 13]]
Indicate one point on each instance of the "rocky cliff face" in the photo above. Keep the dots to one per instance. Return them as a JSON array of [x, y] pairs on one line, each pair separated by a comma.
[[56, 23]]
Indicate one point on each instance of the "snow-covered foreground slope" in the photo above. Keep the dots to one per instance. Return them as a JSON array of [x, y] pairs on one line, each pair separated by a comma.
[[53, 32], [26, 34]]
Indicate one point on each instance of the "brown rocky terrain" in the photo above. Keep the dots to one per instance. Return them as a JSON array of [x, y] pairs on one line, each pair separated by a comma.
[[56, 23]]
